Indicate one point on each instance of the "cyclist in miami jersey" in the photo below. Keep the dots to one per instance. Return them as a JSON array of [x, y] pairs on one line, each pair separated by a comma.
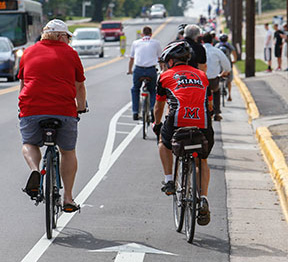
[[185, 89]]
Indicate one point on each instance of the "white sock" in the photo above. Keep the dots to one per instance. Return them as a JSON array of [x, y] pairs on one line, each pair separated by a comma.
[[203, 196], [168, 178]]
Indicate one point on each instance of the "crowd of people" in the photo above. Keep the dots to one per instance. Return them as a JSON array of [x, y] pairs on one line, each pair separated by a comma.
[[191, 67]]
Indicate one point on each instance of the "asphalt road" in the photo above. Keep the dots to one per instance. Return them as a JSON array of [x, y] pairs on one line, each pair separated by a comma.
[[118, 181]]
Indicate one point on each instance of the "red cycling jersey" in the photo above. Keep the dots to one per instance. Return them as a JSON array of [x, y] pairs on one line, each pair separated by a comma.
[[49, 69], [185, 89]]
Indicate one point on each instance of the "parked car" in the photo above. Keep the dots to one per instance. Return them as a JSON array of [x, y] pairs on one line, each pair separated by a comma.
[[9, 59], [157, 11], [88, 41], [112, 30]]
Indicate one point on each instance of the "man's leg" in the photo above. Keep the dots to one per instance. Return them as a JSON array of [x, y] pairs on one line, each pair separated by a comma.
[[32, 156], [135, 91], [166, 157], [68, 168], [205, 177]]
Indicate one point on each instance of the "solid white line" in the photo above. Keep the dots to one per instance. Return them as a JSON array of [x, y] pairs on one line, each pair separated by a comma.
[[126, 124], [123, 132], [42, 245]]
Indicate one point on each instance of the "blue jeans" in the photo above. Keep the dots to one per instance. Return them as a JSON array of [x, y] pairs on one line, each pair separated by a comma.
[[135, 90]]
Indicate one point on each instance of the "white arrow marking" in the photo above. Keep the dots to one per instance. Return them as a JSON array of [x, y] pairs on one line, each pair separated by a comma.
[[132, 252]]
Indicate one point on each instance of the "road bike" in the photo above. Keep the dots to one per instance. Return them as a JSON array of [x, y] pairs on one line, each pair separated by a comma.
[[188, 146], [223, 89], [145, 105]]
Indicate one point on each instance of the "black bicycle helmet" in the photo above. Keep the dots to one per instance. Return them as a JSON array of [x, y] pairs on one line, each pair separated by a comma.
[[224, 49], [179, 50], [181, 28], [223, 37]]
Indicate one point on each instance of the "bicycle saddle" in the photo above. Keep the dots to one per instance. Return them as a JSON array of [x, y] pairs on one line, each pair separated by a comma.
[[53, 123]]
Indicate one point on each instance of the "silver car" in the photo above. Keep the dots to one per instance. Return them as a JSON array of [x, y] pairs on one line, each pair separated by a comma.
[[9, 59], [88, 41]]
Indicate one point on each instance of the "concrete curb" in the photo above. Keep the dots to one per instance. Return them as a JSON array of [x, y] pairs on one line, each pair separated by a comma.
[[272, 154]]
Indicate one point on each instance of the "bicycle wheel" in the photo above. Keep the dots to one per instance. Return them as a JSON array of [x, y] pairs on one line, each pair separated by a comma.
[[223, 93], [191, 198], [49, 201], [145, 117], [179, 197]]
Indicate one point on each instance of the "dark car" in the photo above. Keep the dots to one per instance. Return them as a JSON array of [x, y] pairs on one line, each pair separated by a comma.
[[111, 30], [9, 60]]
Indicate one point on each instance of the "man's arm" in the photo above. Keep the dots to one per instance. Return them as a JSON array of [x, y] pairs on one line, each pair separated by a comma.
[[80, 95], [202, 67], [130, 67], [158, 111], [21, 84]]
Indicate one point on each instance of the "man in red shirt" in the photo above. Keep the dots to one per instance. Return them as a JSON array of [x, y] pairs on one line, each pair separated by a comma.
[[185, 89], [51, 85]]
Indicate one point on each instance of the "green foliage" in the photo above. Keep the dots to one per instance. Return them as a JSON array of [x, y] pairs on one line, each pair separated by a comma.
[[268, 5], [260, 66]]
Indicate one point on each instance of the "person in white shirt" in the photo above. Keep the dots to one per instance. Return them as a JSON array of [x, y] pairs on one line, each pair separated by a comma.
[[145, 53], [217, 64], [268, 42]]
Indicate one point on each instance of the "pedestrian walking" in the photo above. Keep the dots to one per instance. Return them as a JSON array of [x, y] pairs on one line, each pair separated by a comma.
[[268, 42]]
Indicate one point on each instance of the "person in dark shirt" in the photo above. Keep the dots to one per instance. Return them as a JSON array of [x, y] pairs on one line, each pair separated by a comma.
[[278, 45], [198, 57]]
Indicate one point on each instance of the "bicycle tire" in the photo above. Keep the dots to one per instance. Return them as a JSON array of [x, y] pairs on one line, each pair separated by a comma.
[[223, 93], [145, 118], [191, 198], [179, 196], [49, 201]]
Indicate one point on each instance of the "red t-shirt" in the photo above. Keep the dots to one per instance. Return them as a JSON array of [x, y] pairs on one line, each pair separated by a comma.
[[186, 90], [49, 69]]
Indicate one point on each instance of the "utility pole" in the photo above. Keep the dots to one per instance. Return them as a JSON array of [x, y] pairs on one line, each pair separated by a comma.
[[237, 40], [250, 38]]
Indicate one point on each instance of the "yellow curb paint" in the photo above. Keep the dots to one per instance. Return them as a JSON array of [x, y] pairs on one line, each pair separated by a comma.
[[250, 103], [277, 164]]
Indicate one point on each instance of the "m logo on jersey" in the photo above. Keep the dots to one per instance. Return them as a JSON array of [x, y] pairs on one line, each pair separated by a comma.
[[191, 113]]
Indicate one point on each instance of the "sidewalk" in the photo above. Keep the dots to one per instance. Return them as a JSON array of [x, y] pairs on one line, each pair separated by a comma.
[[258, 230], [266, 97]]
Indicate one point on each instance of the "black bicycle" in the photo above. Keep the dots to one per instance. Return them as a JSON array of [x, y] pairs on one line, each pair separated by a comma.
[[50, 181], [188, 146], [145, 105], [223, 89]]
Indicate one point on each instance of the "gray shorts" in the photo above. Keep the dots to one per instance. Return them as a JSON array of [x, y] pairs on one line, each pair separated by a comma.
[[66, 134]]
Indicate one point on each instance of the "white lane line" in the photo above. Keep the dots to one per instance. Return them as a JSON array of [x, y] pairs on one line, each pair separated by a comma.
[[126, 124], [42, 245], [123, 132]]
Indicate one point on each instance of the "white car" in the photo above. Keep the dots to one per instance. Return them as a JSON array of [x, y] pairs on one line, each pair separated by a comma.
[[88, 41], [157, 11]]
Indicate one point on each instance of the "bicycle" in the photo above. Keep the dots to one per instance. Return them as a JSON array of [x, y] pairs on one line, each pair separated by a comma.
[[145, 105], [223, 89], [50, 174], [188, 146]]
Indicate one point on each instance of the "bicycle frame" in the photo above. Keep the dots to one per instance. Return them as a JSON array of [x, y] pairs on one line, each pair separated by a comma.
[[55, 156]]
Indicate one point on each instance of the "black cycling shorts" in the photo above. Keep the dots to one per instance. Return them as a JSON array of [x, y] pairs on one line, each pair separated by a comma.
[[168, 130]]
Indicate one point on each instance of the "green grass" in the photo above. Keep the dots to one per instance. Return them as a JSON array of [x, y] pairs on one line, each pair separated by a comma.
[[260, 66]]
